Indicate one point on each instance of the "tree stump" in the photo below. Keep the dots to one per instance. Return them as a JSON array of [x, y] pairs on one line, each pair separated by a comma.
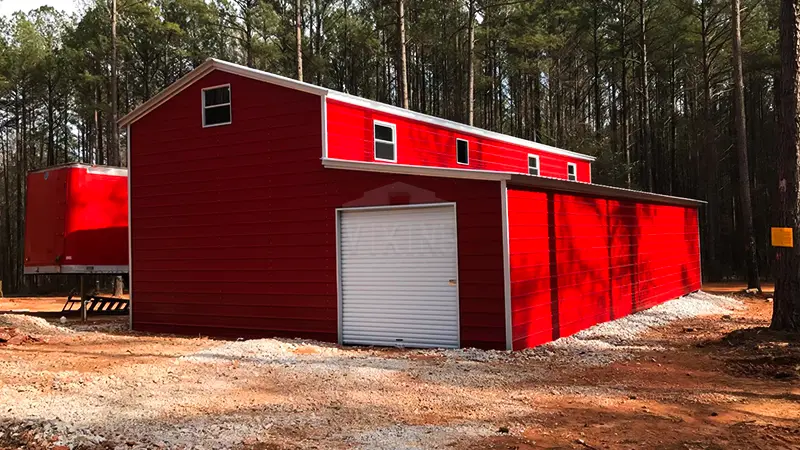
[[119, 286]]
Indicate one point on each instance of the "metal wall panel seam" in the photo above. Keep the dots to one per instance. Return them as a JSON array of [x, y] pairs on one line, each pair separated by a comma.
[[506, 266], [130, 230]]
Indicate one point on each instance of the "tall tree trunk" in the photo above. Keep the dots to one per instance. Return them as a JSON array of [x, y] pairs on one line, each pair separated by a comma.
[[598, 118], [786, 307], [299, 37], [646, 146], [741, 150], [471, 64], [626, 146], [673, 121], [709, 147], [113, 146], [402, 82]]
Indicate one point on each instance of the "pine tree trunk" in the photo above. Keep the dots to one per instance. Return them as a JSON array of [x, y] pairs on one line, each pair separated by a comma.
[[471, 64], [113, 146], [402, 83], [299, 37], [646, 146], [786, 307], [598, 119], [626, 146], [741, 150]]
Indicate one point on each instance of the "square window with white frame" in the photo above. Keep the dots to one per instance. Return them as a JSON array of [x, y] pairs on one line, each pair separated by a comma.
[[385, 141], [217, 106], [533, 165], [462, 151], [572, 172]]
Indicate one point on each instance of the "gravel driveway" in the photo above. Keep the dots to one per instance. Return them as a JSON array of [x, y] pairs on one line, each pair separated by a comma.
[[87, 387]]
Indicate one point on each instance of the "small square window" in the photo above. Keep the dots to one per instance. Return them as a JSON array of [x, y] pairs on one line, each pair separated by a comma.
[[572, 172], [217, 106], [385, 141], [462, 151], [533, 165]]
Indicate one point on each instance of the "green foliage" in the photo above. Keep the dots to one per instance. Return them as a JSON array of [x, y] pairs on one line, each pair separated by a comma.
[[545, 70]]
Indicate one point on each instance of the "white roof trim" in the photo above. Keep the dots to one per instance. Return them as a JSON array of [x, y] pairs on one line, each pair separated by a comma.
[[408, 114], [236, 69], [441, 172], [102, 170]]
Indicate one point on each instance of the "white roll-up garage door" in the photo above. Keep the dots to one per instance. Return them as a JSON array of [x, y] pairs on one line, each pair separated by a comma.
[[399, 270]]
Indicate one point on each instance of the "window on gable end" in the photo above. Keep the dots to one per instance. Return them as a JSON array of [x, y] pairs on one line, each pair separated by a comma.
[[217, 106]]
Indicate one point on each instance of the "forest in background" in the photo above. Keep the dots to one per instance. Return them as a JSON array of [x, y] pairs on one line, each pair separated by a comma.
[[646, 86]]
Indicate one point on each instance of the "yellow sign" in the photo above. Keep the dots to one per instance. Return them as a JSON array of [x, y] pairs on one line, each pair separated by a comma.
[[782, 237]]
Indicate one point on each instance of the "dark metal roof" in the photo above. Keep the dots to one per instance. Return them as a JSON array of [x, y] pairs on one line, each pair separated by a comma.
[[598, 190]]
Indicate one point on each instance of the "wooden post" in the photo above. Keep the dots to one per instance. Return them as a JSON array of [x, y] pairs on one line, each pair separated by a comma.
[[83, 300], [1, 288]]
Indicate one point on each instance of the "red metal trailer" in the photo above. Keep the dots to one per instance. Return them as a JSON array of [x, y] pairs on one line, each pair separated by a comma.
[[76, 220]]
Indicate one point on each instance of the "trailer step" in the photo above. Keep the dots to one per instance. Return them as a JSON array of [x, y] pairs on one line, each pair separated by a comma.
[[96, 304]]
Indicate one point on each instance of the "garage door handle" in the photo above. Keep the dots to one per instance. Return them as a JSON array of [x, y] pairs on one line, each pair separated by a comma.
[[451, 282]]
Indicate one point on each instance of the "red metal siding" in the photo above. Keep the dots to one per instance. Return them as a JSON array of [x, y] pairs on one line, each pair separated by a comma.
[[350, 137], [45, 212], [577, 261], [74, 217], [97, 219], [234, 229]]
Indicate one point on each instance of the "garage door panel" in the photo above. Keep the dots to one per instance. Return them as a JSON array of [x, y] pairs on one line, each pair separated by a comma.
[[398, 268]]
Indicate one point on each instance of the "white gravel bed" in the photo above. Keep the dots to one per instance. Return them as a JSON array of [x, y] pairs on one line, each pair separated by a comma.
[[32, 325], [417, 437], [620, 339], [599, 345]]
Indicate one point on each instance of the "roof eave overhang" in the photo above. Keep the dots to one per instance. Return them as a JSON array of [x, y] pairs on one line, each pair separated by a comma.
[[513, 179], [598, 190], [402, 169]]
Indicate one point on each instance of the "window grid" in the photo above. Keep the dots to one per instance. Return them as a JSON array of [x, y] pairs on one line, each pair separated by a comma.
[[377, 141], [533, 165], [572, 172], [215, 107]]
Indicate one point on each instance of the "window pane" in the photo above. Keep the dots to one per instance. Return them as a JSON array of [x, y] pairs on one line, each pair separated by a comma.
[[218, 96], [384, 133], [533, 162], [384, 150], [571, 169], [218, 115], [462, 148], [533, 171]]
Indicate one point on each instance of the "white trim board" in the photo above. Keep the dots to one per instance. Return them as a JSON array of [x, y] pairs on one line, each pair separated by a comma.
[[33, 270], [506, 266], [130, 233], [404, 169], [100, 170]]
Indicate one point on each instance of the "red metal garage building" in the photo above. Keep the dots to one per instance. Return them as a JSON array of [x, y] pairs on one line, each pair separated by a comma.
[[263, 206]]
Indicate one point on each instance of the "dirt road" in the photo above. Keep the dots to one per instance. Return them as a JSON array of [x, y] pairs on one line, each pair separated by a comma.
[[709, 382]]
